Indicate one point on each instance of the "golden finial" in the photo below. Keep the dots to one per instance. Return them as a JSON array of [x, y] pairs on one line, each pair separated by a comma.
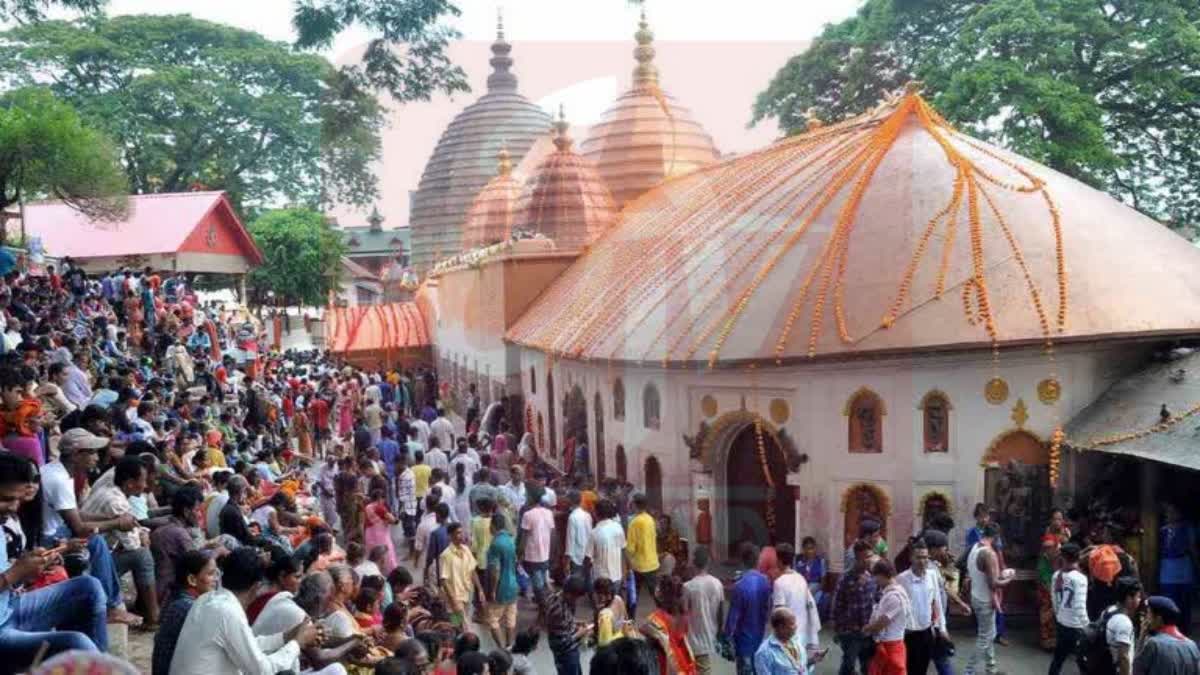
[[914, 87], [562, 140], [813, 122], [646, 73], [505, 161]]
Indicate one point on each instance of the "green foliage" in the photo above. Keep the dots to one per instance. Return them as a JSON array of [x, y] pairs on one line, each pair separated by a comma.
[[1106, 92], [47, 152], [302, 256], [28, 11], [408, 60], [193, 103]]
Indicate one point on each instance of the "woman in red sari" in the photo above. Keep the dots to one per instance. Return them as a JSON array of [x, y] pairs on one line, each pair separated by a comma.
[[666, 628]]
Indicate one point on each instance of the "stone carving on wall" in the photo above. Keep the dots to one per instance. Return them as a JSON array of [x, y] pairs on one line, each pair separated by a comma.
[[696, 443]]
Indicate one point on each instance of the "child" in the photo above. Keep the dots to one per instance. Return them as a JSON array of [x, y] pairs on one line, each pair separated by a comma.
[[522, 648], [369, 608]]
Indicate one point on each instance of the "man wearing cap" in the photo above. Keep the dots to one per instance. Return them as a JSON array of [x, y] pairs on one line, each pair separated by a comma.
[[79, 451], [1168, 651]]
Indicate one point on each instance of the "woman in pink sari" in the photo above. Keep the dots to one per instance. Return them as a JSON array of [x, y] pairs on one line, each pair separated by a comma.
[[379, 521], [345, 413]]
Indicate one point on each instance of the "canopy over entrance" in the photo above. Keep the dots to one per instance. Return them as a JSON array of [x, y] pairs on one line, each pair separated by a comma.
[[379, 336], [180, 232]]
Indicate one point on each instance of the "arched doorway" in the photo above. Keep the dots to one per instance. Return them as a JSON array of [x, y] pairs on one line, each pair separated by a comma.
[[861, 503], [575, 429], [1017, 490], [757, 512], [552, 449], [598, 411], [622, 464], [654, 485]]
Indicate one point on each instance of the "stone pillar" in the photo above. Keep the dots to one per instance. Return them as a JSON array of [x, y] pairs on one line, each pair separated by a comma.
[[1148, 480], [242, 289]]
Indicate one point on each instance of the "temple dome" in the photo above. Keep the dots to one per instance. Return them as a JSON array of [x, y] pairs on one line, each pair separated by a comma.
[[887, 233], [490, 218], [463, 161], [564, 199], [646, 136]]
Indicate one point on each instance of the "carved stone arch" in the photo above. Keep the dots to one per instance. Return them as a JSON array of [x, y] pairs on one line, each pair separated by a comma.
[[1016, 444], [932, 502], [717, 436], [863, 501], [860, 392], [935, 410], [935, 393]]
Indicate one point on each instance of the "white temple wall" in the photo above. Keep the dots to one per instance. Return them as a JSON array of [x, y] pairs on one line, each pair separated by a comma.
[[815, 398]]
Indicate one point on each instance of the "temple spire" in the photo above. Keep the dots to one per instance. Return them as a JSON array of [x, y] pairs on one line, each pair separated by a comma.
[[645, 75], [562, 140], [504, 160], [501, 78]]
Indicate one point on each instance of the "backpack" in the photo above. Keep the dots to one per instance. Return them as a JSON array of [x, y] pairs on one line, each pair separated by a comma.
[[1094, 656]]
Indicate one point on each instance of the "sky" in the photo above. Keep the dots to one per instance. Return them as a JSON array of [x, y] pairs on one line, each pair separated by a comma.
[[674, 20]]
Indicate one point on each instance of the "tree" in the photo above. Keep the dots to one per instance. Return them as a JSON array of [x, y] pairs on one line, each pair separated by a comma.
[[46, 151], [29, 11], [302, 256], [1106, 92], [193, 103], [408, 60]]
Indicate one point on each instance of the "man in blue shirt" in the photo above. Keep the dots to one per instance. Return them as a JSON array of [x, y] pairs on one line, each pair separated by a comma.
[[748, 609], [502, 568], [68, 615], [439, 539], [388, 450]]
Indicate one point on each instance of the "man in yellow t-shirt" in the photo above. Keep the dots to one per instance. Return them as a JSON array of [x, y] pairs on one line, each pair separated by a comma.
[[458, 574], [641, 548], [421, 472]]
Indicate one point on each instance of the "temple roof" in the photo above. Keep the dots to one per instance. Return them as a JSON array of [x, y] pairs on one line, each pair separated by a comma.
[[646, 136], [391, 327], [564, 199], [464, 159], [888, 233], [362, 241], [490, 218]]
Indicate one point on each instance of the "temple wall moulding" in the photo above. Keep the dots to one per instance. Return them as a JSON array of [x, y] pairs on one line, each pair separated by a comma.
[[706, 443]]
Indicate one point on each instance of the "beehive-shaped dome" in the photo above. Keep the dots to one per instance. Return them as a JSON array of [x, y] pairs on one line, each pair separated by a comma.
[[889, 233], [490, 218], [463, 161], [564, 199], [646, 136]]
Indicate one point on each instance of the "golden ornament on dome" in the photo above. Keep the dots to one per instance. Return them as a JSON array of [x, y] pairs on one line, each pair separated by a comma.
[[1049, 390], [708, 406], [996, 391], [780, 411]]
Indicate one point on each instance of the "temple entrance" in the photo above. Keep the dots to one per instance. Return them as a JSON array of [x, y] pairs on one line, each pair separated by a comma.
[[575, 431], [756, 512], [654, 486], [1017, 491]]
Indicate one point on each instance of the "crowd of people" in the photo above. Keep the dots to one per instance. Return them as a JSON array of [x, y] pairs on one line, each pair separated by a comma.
[[262, 512]]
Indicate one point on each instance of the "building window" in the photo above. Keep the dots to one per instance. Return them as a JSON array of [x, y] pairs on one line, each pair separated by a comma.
[[622, 464], [651, 407], [935, 409], [618, 400], [865, 412], [532, 380]]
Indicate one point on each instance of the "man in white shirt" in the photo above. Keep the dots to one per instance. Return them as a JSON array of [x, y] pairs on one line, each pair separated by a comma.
[[423, 431], [703, 600], [579, 530], [514, 489], [129, 550], [427, 524], [927, 621], [888, 620], [1068, 593], [436, 458], [439, 480], [216, 501], [1118, 624], [216, 637], [791, 590], [443, 430], [606, 545], [78, 453]]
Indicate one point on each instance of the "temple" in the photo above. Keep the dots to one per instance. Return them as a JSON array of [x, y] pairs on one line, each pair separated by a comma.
[[788, 342]]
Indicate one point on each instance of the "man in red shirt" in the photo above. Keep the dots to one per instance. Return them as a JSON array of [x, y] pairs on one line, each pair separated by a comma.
[[319, 409]]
